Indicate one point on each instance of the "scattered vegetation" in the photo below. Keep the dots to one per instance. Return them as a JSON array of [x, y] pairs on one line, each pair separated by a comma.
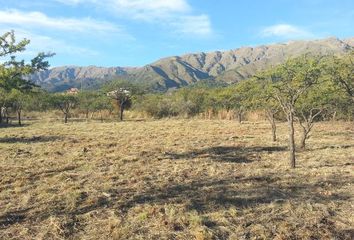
[[174, 174]]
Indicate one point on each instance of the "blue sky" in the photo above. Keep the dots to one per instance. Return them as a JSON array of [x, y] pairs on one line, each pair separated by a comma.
[[138, 32]]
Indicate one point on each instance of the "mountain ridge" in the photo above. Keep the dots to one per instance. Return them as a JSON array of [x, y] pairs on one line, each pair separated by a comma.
[[229, 66]]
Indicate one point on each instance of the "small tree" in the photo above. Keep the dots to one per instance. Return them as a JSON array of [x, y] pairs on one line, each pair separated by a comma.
[[123, 93], [101, 103], [239, 106], [4, 105], [190, 101], [287, 83], [86, 101], [18, 100], [271, 109], [65, 103], [311, 105], [244, 98], [122, 98], [263, 100]]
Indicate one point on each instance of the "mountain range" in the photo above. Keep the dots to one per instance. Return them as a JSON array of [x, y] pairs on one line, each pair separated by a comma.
[[177, 71]]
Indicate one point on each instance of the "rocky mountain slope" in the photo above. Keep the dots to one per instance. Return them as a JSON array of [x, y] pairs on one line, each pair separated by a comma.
[[226, 66]]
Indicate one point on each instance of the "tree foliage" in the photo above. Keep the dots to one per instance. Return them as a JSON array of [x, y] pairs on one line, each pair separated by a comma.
[[64, 103], [13, 72]]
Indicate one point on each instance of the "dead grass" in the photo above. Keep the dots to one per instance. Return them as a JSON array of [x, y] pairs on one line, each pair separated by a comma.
[[174, 179]]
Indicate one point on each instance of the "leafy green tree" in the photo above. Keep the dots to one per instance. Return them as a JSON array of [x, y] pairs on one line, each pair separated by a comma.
[[261, 98], [38, 100], [271, 109], [158, 105], [310, 106], [14, 73], [18, 99], [287, 83], [190, 101], [4, 104], [86, 101], [65, 103], [245, 97], [224, 99], [101, 103], [341, 71]]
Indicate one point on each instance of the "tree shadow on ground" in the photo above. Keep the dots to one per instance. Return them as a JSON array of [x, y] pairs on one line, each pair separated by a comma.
[[342, 146], [202, 193], [13, 125], [33, 139], [234, 154], [210, 195]]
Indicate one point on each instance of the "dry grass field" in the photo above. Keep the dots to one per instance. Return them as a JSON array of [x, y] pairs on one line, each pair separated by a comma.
[[174, 179]]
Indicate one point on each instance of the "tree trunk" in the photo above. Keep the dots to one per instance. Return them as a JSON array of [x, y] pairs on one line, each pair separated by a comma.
[[306, 123], [4, 115], [121, 113], [19, 117], [334, 116], [303, 138], [101, 116], [274, 131], [121, 108], [65, 117], [270, 116], [239, 115], [291, 140]]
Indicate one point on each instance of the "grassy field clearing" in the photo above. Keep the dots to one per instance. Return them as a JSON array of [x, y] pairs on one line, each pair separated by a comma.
[[174, 179]]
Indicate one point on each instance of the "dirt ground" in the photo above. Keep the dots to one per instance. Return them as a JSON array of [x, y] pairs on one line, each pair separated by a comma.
[[174, 179]]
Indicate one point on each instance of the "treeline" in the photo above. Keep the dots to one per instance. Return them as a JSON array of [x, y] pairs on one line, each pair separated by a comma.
[[305, 89], [317, 88]]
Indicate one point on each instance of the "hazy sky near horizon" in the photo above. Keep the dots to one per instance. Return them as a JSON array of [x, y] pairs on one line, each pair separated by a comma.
[[138, 32]]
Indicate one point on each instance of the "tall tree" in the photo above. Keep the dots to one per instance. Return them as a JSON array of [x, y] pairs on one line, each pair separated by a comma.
[[288, 82], [14, 73]]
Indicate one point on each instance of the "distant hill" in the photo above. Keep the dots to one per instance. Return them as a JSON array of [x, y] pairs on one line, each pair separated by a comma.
[[173, 72]]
